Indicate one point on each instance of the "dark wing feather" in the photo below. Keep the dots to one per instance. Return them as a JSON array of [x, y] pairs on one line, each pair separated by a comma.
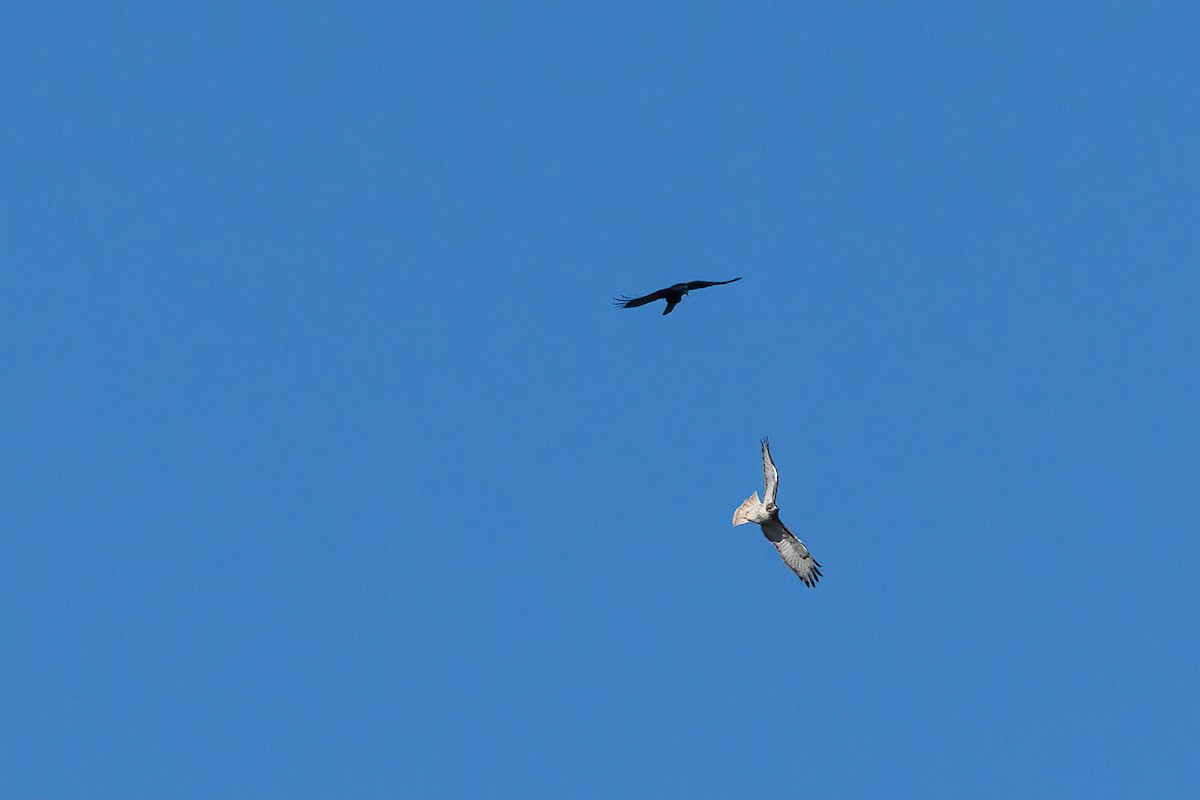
[[671, 303], [793, 552], [634, 302], [705, 284]]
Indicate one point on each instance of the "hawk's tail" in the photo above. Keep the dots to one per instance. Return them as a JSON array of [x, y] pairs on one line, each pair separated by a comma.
[[751, 508]]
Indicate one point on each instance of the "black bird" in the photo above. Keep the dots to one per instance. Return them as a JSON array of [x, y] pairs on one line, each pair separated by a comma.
[[672, 294]]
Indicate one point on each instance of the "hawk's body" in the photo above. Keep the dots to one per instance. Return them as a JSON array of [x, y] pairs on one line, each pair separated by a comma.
[[672, 294], [766, 514]]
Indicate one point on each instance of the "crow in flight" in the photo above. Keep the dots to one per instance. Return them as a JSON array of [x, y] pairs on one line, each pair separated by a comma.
[[672, 294], [766, 514]]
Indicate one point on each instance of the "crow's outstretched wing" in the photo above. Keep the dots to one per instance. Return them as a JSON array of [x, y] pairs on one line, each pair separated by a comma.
[[634, 302], [770, 474], [793, 552], [705, 284]]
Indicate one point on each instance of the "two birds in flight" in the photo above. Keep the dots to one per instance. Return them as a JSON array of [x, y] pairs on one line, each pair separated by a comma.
[[765, 513]]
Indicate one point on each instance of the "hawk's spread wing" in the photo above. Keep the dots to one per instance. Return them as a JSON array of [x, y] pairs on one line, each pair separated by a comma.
[[770, 474], [793, 551]]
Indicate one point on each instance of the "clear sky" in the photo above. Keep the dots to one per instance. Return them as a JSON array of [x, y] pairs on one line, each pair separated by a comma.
[[329, 470]]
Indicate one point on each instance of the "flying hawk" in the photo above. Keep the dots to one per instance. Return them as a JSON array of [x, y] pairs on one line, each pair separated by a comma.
[[672, 294], [766, 514]]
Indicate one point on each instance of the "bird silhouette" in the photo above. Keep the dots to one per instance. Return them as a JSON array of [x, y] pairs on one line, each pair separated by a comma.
[[672, 294], [766, 514]]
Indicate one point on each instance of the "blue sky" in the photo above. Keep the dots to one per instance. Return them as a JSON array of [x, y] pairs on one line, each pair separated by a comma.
[[330, 471]]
